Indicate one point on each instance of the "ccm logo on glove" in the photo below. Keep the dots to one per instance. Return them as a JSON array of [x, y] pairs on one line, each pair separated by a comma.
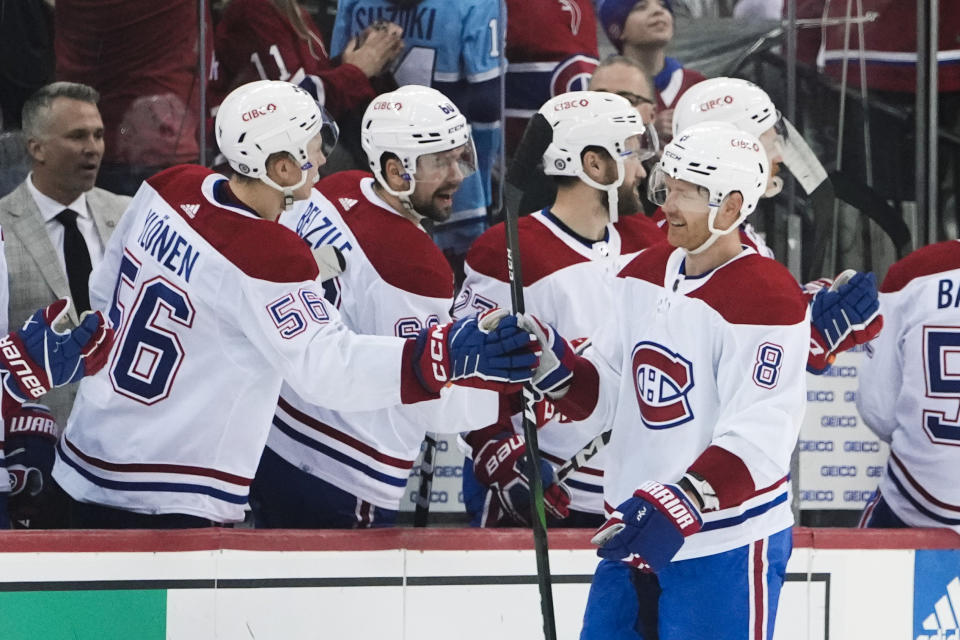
[[437, 339]]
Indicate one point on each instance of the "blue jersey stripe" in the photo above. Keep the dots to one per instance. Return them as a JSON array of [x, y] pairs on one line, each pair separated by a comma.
[[746, 515], [174, 487], [583, 486], [339, 456]]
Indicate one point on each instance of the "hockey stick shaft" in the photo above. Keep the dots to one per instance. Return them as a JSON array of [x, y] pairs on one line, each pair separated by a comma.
[[426, 481], [535, 140], [582, 457]]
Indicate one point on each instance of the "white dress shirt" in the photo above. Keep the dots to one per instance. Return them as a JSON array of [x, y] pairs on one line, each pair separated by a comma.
[[50, 208]]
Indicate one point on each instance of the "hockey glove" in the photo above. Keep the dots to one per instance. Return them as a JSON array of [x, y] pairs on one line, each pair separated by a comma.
[[488, 351], [844, 313], [647, 530], [38, 357], [31, 436], [555, 372], [503, 466]]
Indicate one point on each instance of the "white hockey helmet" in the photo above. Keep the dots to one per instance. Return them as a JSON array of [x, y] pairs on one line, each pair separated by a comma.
[[739, 102], [582, 119], [261, 118], [720, 158], [412, 122]]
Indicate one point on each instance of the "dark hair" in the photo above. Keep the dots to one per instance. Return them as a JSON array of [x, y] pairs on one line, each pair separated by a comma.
[[37, 106]]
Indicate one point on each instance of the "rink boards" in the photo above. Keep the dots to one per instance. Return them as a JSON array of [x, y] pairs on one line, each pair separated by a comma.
[[423, 584]]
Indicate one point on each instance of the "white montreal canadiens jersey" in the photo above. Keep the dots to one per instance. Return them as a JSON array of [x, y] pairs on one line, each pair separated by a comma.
[[564, 284], [909, 391], [695, 375], [4, 300], [396, 282], [213, 307]]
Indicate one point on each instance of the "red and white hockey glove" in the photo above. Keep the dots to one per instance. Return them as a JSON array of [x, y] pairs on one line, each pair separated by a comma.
[[37, 357], [503, 466], [489, 351], [648, 529], [844, 312], [557, 359]]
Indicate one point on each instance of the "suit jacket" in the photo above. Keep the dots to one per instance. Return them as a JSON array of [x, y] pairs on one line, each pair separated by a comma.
[[36, 275]]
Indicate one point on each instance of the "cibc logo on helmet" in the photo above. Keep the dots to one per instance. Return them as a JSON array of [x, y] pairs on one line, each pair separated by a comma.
[[716, 102], [740, 143], [386, 105], [571, 104], [259, 111]]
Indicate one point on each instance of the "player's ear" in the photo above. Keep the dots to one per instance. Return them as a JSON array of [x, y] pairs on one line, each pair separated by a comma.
[[729, 211], [393, 171], [283, 169], [595, 165]]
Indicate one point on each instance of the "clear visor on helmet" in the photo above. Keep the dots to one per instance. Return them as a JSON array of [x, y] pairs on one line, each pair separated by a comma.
[[774, 139], [643, 146], [687, 196], [329, 132], [445, 165]]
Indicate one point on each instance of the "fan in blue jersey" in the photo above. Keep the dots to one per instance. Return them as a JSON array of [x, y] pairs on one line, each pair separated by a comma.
[[704, 390], [456, 48], [325, 468], [215, 305]]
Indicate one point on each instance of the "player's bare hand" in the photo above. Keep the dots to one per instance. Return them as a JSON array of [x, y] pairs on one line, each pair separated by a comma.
[[375, 48], [663, 123]]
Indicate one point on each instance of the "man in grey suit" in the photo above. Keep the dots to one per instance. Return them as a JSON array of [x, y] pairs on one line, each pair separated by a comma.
[[56, 223]]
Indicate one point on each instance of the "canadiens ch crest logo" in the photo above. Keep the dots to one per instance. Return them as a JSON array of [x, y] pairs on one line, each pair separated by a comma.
[[662, 380], [572, 74]]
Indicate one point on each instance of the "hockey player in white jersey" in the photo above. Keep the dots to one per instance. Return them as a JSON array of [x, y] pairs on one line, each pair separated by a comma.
[[215, 305], [909, 394], [567, 249], [705, 390], [324, 468], [845, 311]]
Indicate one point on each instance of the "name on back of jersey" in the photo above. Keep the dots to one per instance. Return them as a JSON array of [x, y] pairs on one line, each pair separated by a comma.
[[166, 246], [948, 294], [318, 229], [416, 22]]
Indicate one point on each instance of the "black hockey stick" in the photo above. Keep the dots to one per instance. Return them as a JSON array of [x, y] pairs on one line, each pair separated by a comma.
[[535, 141], [582, 457], [426, 481]]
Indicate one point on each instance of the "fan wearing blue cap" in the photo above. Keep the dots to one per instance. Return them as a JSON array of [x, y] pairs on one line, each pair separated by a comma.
[[642, 30]]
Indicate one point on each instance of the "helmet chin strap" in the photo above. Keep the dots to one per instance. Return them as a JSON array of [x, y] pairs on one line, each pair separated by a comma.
[[714, 232], [404, 196], [613, 197], [287, 192]]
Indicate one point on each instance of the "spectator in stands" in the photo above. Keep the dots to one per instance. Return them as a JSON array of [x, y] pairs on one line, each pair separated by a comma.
[[551, 49], [278, 40], [457, 49], [142, 58], [641, 31], [56, 223], [625, 77], [908, 392]]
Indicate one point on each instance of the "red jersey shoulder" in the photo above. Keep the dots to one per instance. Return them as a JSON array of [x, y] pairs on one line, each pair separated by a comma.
[[260, 248], [402, 254], [649, 265], [925, 261], [541, 252], [638, 232], [754, 290]]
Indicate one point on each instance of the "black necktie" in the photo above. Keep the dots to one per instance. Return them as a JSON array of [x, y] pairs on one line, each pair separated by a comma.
[[77, 259]]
